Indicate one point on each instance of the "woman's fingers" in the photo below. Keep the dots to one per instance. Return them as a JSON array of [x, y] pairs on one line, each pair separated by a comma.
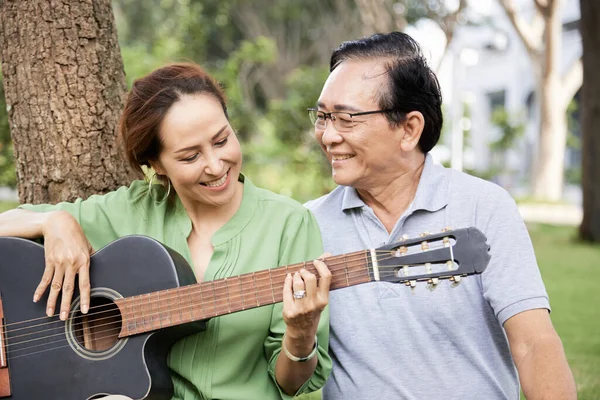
[[324, 278], [85, 287], [45, 282], [55, 287]]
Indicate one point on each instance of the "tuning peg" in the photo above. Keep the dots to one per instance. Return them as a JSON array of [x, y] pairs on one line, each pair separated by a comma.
[[401, 251], [446, 229], [424, 234], [402, 238], [432, 283], [412, 283], [455, 280]]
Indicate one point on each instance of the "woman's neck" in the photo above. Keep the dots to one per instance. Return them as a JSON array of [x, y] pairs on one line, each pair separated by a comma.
[[390, 199], [208, 217]]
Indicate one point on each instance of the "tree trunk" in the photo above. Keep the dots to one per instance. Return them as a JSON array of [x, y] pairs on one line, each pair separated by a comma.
[[590, 119], [548, 173], [64, 83]]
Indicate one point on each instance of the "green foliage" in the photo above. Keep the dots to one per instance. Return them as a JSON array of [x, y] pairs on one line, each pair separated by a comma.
[[511, 129]]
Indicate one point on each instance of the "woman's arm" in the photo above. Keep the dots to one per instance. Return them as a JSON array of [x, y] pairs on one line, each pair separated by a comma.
[[302, 318], [23, 223], [67, 254]]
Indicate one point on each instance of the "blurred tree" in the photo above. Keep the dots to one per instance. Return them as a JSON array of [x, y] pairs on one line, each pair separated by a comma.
[[388, 15], [542, 40], [590, 119], [64, 83]]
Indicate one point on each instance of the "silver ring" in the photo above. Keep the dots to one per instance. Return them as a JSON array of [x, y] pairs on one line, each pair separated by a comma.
[[299, 294]]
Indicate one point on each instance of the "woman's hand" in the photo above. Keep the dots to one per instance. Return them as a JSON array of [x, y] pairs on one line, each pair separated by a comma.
[[67, 253], [302, 314]]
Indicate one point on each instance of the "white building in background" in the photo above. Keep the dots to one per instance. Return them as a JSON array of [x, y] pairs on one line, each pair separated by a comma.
[[485, 67]]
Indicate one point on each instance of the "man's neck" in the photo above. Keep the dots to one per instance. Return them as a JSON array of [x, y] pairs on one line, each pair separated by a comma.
[[391, 199]]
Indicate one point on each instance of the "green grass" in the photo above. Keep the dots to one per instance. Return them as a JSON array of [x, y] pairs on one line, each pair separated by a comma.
[[7, 205], [571, 272]]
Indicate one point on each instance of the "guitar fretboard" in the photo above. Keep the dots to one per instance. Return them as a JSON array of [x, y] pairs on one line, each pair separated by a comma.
[[152, 311]]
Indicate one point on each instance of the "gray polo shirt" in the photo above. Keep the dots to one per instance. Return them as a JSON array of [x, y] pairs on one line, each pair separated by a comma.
[[388, 341]]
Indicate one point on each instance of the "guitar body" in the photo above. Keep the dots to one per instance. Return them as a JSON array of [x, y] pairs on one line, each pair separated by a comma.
[[51, 359]]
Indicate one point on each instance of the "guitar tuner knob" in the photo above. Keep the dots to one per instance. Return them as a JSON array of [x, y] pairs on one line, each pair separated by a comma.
[[402, 238], [424, 234]]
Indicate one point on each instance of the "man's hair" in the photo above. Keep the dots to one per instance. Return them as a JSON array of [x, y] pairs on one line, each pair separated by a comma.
[[413, 86]]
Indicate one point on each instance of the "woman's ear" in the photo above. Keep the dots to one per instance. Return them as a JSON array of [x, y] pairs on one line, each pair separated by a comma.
[[157, 167], [413, 125]]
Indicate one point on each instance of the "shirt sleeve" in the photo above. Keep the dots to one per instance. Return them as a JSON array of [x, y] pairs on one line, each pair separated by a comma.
[[301, 242], [512, 282], [103, 218]]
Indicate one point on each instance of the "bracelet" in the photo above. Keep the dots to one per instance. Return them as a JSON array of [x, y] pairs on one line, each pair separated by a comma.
[[300, 359]]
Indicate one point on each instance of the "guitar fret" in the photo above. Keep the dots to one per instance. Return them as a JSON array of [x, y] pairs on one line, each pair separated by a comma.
[[241, 293], [227, 296], [255, 289], [214, 298], [346, 271], [192, 301], [272, 290]]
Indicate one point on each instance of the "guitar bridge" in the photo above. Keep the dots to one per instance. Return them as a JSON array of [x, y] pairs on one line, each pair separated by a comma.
[[4, 376]]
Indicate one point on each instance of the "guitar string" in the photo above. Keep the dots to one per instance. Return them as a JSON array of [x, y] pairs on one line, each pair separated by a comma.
[[113, 335], [195, 289], [218, 310]]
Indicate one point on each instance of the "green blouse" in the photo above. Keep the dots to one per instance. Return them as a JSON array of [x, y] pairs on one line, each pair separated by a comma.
[[235, 357]]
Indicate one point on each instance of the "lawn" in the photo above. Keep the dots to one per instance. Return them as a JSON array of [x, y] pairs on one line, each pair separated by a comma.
[[571, 272]]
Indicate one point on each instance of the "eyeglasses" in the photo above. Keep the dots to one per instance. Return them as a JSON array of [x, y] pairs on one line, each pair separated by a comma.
[[342, 121]]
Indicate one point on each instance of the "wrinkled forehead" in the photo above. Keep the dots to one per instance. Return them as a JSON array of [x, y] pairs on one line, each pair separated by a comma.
[[357, 83]]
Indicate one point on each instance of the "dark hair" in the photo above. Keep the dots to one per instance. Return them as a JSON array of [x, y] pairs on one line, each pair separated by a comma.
[[413, 86], [150, 99]]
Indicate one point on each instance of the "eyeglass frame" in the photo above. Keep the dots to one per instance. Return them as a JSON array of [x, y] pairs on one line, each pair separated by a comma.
[[352, 115]]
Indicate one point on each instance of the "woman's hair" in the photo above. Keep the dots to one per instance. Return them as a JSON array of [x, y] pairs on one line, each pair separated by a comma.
[[148, 102]]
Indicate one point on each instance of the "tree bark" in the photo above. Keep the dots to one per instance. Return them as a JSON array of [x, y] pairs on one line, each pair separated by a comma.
[[543, 40], [548, 174], [590, 120], [64, 83]]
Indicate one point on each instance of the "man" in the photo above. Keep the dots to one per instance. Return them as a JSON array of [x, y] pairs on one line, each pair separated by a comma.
[[378, 116]]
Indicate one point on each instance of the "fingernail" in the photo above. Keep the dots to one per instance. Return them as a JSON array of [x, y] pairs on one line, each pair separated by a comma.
[[63, 315], [49, 311], [35, 298], [84, 308]]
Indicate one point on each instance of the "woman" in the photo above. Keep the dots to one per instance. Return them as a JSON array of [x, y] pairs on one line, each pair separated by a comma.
[[175, 121]]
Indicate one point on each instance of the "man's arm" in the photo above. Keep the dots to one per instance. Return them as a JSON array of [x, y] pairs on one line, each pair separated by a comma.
[[539, 356]]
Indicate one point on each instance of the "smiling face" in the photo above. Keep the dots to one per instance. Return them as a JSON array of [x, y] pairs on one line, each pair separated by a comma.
[[373, 152], [200, 154]]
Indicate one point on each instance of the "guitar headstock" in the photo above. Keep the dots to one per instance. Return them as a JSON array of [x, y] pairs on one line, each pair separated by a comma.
[[450, 254]]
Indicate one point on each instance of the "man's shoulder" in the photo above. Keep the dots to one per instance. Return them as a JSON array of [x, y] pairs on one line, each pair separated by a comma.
[[464, 185]]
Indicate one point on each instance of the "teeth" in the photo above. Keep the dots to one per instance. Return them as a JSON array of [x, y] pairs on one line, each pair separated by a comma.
[[218, 182], [339, 158]]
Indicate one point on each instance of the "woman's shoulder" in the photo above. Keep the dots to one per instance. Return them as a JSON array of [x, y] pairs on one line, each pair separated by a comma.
[[277, 202]]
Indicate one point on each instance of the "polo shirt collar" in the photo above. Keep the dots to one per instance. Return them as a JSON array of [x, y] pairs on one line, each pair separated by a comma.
[[432, 191]]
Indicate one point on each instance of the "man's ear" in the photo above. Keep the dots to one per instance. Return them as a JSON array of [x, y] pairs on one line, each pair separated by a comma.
[[413, 128]]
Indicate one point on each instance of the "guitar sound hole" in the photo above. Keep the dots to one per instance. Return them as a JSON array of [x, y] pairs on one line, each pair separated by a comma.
[[98, 330]]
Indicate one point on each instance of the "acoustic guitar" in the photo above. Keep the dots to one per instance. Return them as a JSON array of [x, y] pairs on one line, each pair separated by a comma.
[[145, 297]]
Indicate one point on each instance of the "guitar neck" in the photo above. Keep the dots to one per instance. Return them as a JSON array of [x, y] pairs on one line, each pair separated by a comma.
[[157, 310]]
